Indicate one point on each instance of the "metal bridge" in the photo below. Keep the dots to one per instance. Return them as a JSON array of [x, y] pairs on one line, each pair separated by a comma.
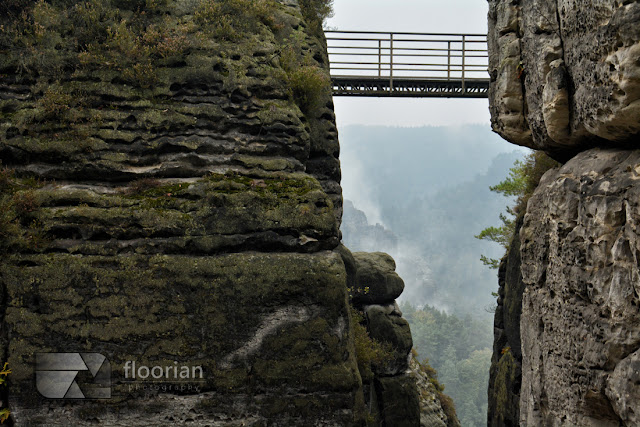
[[371, 63]]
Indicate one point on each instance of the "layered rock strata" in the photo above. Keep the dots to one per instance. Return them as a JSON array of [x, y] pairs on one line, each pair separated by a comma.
[[174, 202]]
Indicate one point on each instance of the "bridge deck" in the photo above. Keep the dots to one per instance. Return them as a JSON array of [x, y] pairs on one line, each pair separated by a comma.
[[366, 63]]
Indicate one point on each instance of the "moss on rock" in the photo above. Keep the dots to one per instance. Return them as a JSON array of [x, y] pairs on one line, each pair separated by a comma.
[[185, 308], [184, 215]]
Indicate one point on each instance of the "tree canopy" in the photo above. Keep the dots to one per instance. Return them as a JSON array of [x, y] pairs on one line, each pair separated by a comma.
[[521, 182]]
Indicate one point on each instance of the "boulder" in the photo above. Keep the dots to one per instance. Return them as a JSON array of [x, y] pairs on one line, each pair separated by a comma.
[[394, 331], [376, 279]]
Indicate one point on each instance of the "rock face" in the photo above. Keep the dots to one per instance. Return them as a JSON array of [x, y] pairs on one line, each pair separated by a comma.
[[432, 413], [580, 309], [174, 202], [565, 80], [169, 220], [565, 74], [506, 361]]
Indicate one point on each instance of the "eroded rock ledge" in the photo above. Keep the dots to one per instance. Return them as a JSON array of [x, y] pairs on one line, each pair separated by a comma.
[[565, 74]]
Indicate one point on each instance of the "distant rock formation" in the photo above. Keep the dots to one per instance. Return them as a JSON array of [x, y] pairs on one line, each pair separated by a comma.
[[359, 235], [565, 80]]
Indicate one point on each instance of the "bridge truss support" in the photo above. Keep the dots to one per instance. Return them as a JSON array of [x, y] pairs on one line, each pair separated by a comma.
[[410, 88]]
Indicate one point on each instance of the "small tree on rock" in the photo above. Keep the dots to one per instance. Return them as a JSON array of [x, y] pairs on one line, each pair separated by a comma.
[[523, 179]]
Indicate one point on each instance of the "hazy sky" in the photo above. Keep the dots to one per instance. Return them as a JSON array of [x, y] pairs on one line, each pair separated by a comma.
[[429, 16]]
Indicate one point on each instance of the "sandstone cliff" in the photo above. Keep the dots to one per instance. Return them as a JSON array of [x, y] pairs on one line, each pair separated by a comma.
[[565, 80], [173, 198], [581, 308]]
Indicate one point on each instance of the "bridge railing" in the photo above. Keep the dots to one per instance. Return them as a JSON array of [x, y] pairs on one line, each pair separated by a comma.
[[435, 56]]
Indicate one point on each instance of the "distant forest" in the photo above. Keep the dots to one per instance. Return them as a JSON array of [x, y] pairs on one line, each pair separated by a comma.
[[421, 195]]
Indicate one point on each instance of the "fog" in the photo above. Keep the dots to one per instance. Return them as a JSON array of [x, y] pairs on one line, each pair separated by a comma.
[[429, 188]]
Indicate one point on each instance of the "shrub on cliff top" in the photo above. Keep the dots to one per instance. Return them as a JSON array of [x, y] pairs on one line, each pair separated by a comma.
[[316, 12], [229, 19], [310, 86]]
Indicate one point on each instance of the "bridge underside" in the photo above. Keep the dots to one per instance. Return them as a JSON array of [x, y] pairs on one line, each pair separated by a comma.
[[408, 87]]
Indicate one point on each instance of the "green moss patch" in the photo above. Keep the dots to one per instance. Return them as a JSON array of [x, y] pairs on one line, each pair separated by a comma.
[[19, 225], [504, 382]]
